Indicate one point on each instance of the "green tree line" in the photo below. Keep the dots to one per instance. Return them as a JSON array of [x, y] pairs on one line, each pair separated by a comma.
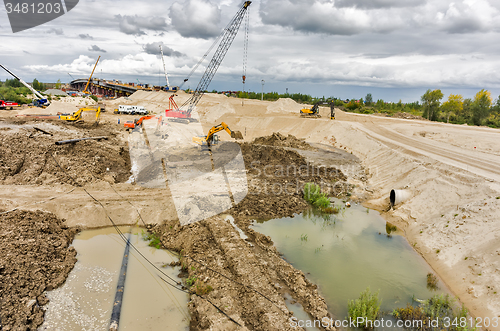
[[14, 90]]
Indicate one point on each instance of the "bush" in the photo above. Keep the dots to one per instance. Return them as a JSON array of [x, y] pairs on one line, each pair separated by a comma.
[[431, 281], [322, 202], [367, 306], [312, 192], [411, 313]]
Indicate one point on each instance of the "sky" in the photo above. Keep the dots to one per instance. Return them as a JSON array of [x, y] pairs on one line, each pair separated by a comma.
[[393, 49]]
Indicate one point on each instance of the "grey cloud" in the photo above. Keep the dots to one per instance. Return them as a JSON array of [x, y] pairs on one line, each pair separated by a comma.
[[459, 18], [377, 4], [95, 48], [195, 18], [134, 25], [85, 36], [56, 31], [154, 48], [304, 16]]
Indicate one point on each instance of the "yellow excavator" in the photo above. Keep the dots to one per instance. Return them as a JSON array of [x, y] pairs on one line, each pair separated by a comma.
[[313, 112], [77, 116], [206, 142]]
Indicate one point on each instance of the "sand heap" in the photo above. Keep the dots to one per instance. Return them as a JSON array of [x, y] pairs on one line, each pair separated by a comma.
[[284, 105]]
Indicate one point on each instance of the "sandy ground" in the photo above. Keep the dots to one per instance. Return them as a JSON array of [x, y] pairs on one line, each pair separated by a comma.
[[452, 171]]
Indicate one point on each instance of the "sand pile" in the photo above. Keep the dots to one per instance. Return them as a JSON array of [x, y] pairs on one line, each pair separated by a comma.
[[284, 105]]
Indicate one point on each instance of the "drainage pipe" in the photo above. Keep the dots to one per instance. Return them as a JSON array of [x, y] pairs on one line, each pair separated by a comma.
[[117, 304], [399, 196]]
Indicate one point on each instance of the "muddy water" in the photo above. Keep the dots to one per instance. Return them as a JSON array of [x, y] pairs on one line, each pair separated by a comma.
[[85, 301], [346, 253]]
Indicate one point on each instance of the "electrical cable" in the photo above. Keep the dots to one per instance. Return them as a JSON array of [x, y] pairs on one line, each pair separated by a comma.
[[120, 233]]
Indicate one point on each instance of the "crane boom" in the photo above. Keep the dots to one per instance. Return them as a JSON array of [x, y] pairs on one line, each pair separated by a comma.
[[164, 68], [41, 99], [88, 82], [35, 92], [226, 40]]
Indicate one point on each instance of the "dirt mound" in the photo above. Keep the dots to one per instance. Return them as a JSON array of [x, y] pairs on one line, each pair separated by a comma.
[[276, 177], [26, 155], [34, 256], [279, 140], [284, 105], [407, 116]]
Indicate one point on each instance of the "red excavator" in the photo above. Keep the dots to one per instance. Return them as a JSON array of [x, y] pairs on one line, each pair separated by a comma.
[[137, 123]]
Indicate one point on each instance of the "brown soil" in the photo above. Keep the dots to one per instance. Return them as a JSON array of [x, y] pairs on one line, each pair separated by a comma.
[[26, 154], [276, 177], [254, 262], [34, 256], [279, 140]]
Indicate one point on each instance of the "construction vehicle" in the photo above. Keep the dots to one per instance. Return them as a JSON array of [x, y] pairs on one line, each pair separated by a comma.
[[137, 122], [8, 104], [77, 116], [131, 110], [211, 139], [313, 112], [39, 100], [90, 78], [183, 114]]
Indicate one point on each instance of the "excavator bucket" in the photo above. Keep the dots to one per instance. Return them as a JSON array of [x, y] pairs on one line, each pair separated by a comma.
[[236, 135]]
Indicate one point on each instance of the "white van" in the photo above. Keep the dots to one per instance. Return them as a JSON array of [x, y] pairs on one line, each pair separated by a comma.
[[131, 110]]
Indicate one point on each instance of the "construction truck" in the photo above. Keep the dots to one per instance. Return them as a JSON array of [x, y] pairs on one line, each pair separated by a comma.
[[8, 104], [131, 110], [39, 100], [211, 139], [137, 123], [77, 116], [313, 112], [183, 114]]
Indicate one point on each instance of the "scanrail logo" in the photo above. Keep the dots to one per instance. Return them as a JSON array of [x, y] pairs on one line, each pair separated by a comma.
[[26, 14]]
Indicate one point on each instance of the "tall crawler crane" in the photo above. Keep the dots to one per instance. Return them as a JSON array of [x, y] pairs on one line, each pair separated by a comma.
[[183, 113]]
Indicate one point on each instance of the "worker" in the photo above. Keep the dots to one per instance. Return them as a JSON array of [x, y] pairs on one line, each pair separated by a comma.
[[118, 121]]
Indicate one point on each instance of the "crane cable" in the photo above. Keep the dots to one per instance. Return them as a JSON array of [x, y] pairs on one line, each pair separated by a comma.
[[245, 51]]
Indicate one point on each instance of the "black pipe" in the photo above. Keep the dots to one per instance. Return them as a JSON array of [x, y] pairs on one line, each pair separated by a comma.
[[117, 304], [72, 141]]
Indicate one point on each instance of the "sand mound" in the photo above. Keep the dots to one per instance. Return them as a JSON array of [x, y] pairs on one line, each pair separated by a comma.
[[284, 105]]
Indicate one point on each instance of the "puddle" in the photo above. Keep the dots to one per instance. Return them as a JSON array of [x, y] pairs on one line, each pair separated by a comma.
[[85, 301], [346, 253]]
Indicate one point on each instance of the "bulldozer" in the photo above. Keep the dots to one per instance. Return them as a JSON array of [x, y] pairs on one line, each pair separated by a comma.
[[77, 116], [313, 112], [211, 139]]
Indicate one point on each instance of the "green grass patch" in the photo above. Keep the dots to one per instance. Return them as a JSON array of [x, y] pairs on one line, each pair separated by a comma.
[[366, 306], [153, 238]]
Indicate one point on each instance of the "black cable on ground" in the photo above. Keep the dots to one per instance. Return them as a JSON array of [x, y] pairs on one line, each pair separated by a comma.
[[131, 245]]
